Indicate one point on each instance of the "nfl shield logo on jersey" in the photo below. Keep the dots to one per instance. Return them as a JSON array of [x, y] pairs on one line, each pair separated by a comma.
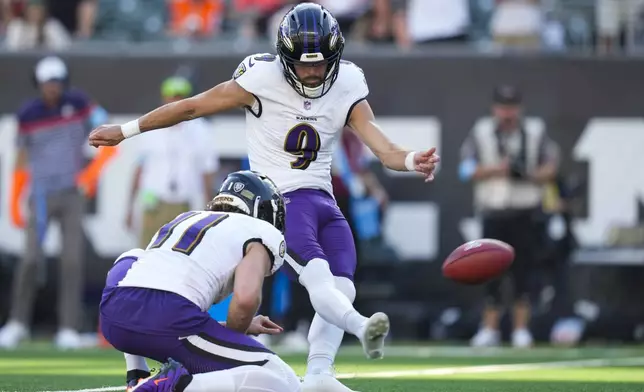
[[307, 105], [238, 187]]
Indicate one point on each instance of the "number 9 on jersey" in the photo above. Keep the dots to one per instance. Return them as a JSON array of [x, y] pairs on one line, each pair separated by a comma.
[[303, 141]]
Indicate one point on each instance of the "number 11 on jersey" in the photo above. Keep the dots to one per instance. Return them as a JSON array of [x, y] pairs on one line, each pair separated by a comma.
[[191, 236], [303, 141]]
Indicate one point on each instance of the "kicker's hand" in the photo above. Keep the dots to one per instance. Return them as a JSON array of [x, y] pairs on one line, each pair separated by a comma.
[[106, 135], [425, 163]]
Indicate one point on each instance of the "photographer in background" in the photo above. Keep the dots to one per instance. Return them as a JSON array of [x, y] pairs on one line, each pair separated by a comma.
[[509, 160]]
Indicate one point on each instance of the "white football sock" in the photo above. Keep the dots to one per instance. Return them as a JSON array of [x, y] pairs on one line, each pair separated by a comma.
[[327, 300], [324, 341], [242, 379], [354, 320], [135, 362], [325, 338]]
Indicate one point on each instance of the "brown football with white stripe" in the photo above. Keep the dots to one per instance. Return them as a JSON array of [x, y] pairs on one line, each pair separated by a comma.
[[478, 261]]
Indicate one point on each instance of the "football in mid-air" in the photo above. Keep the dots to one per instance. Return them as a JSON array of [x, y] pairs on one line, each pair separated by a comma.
[[478, 261]]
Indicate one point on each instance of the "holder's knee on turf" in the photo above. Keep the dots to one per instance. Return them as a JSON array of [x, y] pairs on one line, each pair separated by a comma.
[[274, 376], [284, 372]]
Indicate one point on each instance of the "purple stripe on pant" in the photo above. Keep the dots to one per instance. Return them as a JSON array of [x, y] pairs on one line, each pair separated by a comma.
[[160, 325]]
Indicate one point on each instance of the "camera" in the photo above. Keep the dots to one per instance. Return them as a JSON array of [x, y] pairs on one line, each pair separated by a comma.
[[518, 169]]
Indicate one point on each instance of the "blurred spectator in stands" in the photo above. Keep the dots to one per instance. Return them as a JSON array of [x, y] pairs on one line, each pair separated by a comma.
[[553, 34], [52, 139], [348, 12], [382, 23], [359, 20], [362, 199], [255, 17], [517, 23], [9, 8], [353, 183], [77, 16], [195, 18], [174, 165], [418, 22], [30, 25], [129, 20], [616, 20]]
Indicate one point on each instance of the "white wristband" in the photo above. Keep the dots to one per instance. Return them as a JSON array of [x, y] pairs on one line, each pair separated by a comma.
[[409, 161], [130, 129]]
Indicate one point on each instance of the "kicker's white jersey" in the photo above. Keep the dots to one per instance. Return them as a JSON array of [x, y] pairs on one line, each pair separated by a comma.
[[291, 138], [196, 255]]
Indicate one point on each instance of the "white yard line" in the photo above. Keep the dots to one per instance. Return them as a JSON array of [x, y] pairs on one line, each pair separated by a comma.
[[548, 353], [499, 368], [586, 363], [410, 351]]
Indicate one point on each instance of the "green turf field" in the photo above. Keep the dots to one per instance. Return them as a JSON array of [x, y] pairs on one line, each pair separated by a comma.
[[38, 367]]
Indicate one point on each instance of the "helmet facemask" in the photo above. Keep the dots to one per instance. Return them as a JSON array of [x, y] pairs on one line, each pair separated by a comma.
[[271, 210], [330, 75]]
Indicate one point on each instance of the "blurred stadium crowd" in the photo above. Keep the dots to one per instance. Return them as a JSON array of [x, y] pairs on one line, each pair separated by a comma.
[[534, 24]]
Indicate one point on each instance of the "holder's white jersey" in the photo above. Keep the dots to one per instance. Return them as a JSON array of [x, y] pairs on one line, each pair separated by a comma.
[[196, 255], [291, 138]]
